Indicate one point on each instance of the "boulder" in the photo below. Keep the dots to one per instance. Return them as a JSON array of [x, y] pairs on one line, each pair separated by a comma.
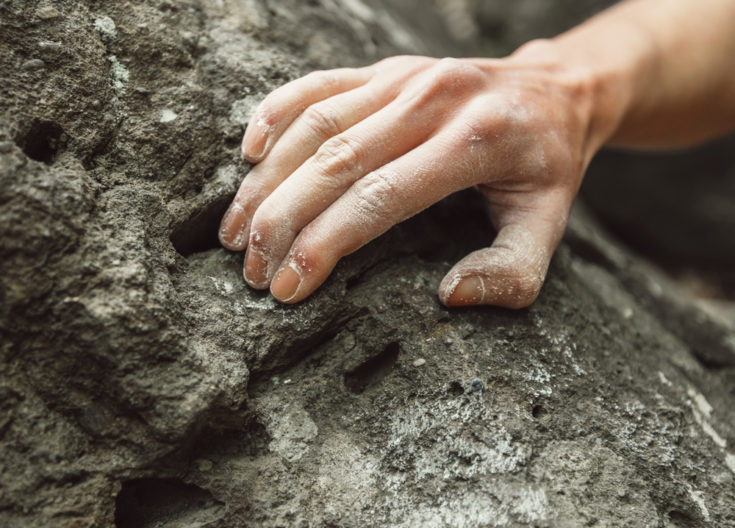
[[144, 384]]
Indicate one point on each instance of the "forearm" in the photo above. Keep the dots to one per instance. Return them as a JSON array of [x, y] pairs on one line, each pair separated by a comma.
[[662, 72]]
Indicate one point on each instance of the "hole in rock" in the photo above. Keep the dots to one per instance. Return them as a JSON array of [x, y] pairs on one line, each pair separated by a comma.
[[199, 232], [374, 370], [679, 519], [455, 388], [538, 411], [164, 503], [42, 141]]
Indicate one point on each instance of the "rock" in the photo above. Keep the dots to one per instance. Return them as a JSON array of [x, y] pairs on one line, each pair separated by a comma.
[[47, 13], [138, 370]]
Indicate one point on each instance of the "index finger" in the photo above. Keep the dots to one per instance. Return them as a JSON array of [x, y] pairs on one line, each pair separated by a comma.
[[282, 106]]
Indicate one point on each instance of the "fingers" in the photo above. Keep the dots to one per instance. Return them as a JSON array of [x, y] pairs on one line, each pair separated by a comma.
[[367, 209], [326, 176], [317, 124], [511, 272], [283, 105]]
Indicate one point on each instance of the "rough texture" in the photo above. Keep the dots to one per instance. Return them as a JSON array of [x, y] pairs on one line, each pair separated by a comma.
[[143, 383]]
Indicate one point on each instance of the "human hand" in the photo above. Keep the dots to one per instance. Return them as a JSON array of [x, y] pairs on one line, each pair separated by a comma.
[[343, 155]]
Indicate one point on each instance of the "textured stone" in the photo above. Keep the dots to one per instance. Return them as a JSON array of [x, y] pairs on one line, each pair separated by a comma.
[[144, 384]]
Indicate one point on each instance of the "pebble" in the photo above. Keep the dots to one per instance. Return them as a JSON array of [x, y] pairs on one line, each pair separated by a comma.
[[49, 45], [33, 64], [419, 362], [475, 386], [5, 147], [47, 13]]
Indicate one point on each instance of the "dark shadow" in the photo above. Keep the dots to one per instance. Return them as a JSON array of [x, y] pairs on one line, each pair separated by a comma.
[[374, 370], [42, 141], [164, 503], [199, 232]]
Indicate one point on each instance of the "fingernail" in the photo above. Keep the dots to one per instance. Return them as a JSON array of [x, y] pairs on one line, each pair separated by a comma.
[[254, 148], [469, 291], [233, 231], [251, 154], [286, 284], [256, 269]]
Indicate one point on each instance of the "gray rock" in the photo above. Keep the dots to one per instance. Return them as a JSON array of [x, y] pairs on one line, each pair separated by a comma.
[[144, 384]]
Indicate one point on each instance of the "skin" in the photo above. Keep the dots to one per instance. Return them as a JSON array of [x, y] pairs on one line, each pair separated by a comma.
[[343, 155]]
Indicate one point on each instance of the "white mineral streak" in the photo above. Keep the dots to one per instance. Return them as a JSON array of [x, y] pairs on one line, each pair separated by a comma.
[[698, 498], [662, 377], [702, 411], [730, 461], [359, 9]]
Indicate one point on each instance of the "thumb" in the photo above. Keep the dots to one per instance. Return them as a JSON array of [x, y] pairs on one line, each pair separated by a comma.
[[511, 272]]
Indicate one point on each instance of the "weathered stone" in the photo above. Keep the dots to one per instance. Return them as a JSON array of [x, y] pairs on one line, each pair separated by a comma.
[[144, 384]]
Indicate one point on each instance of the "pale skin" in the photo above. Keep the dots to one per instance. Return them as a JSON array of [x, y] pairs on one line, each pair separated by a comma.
[[343, 155]]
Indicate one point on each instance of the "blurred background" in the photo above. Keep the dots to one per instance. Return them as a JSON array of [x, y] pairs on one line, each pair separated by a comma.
[[675, 208]]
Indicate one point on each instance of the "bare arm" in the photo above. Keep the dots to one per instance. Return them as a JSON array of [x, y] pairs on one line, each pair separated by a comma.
[[343, 155], [664, 69]]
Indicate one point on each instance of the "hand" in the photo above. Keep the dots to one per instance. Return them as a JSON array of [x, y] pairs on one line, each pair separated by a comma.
[[343, 155]]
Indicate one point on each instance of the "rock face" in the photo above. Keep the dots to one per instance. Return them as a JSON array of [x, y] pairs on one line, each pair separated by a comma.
[[143, 384]]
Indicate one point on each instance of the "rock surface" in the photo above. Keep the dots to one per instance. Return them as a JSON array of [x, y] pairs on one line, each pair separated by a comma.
[[143, 384]]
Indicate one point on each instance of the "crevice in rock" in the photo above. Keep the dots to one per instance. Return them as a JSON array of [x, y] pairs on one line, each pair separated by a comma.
[[199, 232], [42, 141], [678, 519], [374, 370], [164, 503]]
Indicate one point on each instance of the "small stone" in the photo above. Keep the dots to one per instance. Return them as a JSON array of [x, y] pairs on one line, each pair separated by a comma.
[[204, 465], [287, 381], [419, 362], [5, 147], [475, 386], [168, 115], [50, 45], [33, 64], [47, 13]]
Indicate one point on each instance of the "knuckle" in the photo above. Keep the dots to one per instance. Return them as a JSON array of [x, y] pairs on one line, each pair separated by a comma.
[[372, 193], [339, 154], [322, 120], [450, 73], [448, 77]]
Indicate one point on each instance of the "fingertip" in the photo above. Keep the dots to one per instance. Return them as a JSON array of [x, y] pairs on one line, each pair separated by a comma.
[[259, 136], [286, 284], [233, 229], [462, 291]]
